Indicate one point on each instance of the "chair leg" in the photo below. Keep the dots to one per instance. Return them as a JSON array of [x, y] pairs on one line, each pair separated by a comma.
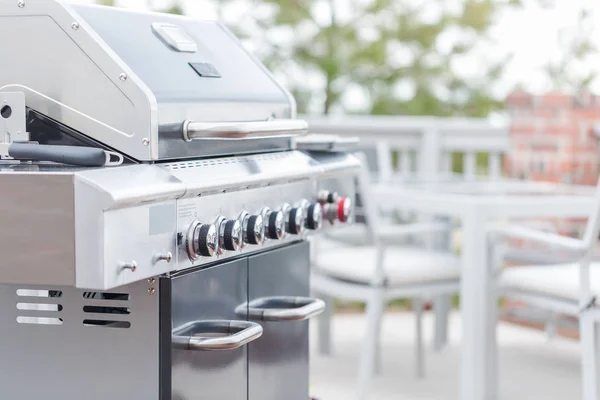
[[588, 331], [441, 306], [324, 325], [375, 307], [419, 347], [378, 361]]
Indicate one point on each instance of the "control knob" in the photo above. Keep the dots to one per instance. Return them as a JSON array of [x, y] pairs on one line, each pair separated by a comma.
[[294, 219], [253, 229], [314, 216], [230, 234], [275, 223], [340, 210], [328, 197], [344, 209], [202, 240]]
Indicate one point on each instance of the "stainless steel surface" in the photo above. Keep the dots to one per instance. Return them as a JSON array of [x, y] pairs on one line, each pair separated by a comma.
[[327, 143], [237, 334], [12, 118], [245, 90], [134, 212], [37, 239], [243, 129], [284, 308], [137, 104], [278, 360], [174, 37], [74, 345], [209, 294], [81, 64]]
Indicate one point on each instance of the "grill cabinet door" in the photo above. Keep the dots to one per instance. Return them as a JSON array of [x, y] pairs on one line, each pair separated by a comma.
[[209, 295], [278, 367]]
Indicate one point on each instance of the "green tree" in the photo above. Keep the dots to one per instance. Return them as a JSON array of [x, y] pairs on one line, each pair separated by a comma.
[[175, 8], [398, 55], [571, 71]]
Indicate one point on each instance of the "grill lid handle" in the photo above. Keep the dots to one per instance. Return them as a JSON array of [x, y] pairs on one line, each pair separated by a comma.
[[193, 130], [201, 335]]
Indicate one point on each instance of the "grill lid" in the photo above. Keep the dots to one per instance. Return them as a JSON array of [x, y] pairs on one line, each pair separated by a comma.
[[153, 86]]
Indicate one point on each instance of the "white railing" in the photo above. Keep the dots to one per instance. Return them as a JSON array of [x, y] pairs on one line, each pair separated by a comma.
[[426, 145]]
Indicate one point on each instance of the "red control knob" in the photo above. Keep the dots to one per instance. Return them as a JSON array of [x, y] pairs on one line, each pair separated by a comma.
[[344, 209]]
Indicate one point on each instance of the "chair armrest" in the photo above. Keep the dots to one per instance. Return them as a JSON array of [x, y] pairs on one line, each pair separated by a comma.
[[391, 233], [532, 235]]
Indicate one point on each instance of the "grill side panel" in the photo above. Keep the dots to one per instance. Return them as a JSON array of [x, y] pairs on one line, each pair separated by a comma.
[[37, 238], [76, 344]]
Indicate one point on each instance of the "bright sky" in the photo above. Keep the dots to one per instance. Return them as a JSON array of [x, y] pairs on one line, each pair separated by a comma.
[[530, 34]]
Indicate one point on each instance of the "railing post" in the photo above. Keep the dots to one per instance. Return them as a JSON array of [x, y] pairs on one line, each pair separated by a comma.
[[495, 165], [430, 153], [470, 165]]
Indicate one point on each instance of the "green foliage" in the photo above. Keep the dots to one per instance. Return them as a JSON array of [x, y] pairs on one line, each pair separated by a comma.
[[569, 72], [174, 9], [389, 50]]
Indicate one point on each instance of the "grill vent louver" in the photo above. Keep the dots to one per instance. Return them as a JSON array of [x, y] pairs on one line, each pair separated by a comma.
[[40, 313], [106, 310]]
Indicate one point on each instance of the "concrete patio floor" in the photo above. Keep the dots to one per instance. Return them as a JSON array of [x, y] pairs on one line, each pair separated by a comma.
[[531, 367]]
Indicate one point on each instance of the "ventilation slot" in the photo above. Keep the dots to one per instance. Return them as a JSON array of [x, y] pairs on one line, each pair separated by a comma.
[[106, 296], [107, 310], [111, 310], [106, 324], [231, 160], [38, 293], [41, 312], [39, 320], [39, 307]]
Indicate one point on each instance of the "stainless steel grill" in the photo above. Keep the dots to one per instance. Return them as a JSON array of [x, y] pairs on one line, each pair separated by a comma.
[[155, 209]]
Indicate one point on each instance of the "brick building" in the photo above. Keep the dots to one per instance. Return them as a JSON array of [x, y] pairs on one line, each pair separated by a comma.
[[553, 137]]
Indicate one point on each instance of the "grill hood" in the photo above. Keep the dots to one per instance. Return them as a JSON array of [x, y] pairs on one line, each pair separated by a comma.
[[135, 81]]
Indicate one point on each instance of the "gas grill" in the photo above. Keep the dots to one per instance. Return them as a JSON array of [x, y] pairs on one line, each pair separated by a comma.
[[155, 209]]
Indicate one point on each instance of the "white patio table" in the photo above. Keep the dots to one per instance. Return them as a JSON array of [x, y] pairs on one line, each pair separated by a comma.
[[475, 204]]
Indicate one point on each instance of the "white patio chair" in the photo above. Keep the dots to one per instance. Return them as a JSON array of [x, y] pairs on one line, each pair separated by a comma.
[[568, 288], [379, 272]]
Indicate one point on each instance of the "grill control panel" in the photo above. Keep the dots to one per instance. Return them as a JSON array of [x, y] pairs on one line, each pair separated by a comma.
[[250, 219]]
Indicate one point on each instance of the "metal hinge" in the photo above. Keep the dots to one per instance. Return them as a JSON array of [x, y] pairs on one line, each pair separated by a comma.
[[12, 118]]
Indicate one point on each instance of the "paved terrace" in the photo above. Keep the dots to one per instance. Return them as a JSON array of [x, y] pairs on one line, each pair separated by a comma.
[[531, 366]]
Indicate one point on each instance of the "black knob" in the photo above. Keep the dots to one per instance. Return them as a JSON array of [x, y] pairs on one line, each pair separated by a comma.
[[254, 229], [202, 240], [295, 224], [332, 197], [231, 235], [276, 225], [314, 216]]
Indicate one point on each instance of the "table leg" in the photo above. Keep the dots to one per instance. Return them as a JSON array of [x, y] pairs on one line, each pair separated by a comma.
[[478, 307]]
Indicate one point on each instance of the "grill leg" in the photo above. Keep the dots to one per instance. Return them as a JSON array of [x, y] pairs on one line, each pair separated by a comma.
[[441, 308]]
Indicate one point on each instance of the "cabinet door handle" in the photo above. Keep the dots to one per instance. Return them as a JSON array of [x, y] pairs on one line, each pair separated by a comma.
[[201, 335], [283, 308]]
